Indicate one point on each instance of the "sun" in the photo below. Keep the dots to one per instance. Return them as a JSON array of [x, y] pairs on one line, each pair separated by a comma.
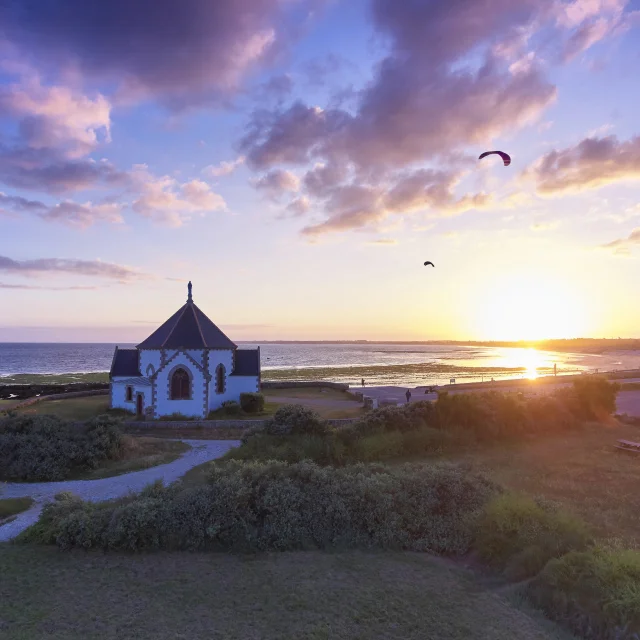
[[531, 306]]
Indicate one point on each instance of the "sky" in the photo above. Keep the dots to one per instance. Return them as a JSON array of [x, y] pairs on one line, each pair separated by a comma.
[[299, 161]]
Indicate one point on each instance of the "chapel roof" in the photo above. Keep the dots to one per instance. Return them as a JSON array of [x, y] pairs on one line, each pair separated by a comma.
[[187, 328], [125, 363]]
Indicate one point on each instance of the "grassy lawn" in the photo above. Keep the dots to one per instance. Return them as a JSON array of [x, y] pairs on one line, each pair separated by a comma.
[[312, 595], [10, 507], [140, 453], [70, 408], [582, 471]]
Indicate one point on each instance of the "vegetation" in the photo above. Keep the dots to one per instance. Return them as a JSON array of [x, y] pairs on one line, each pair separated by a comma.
[[278, 506], [176, 417], [12, 506], [519, 536], [284, 596], [45, 448], [252, 402], [596, 593], [232, 410], [83, 408], [453, 422]]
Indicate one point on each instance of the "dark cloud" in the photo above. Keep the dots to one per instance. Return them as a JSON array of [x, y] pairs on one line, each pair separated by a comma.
[[319, 69], [62, 265], [184, 52], [592, 163], [276, 88], [277, 182]]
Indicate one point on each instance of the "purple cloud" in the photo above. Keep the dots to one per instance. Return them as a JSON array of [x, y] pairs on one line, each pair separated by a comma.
[[623, 245], [277, 182], [187, 52], [590, 164], [62, 265]]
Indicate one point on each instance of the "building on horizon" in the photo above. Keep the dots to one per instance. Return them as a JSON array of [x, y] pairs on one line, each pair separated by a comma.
[[187, 366]]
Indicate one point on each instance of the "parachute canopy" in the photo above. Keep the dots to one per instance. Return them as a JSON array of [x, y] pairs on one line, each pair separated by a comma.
[[428, 262], [506, 158]]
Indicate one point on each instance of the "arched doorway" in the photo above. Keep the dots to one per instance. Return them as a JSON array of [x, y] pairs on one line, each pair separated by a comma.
[[139, 405]]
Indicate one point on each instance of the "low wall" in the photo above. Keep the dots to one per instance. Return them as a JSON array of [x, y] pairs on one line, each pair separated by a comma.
[[58, 396], [217, 424], [311, 384]]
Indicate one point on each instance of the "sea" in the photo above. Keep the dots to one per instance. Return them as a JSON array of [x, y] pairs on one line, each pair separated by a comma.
[[377, 364]]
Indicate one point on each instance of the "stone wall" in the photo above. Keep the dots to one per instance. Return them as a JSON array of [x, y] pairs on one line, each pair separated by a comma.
[[340, 386], [218, 424], [59, 396]]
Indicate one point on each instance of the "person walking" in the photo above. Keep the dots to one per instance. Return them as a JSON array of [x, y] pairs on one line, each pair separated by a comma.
[[362, 382], [408, 396], [555, 368]]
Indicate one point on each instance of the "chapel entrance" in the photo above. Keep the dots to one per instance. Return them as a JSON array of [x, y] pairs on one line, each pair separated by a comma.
[[139, 405]]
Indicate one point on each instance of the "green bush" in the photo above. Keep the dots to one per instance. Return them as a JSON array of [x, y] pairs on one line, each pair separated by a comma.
[[277, 506], [596, 593], [595, 397], [45, 448], [252, 402], [519, 536], [176, 416], [296, 420]]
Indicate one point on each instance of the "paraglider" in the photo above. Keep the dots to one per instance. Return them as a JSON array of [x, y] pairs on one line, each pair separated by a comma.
[[428, 262], [506, 158]]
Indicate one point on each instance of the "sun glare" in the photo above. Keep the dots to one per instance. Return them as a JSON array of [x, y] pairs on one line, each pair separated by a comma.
[[531, 307]]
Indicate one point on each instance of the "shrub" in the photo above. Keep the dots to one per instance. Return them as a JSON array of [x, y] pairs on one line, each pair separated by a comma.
[[294, 419], [519, 536], [45, 448], [176, 416], [595, 397], [596, 593], [252, 402], [231, 408], [277, 506]]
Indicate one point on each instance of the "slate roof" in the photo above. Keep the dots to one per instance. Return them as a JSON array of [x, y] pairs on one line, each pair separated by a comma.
[[247, 362], [187, 328], [125, 363]]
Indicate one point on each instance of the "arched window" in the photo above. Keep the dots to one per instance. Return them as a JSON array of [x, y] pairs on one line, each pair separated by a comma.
[[220, 371], [180, 385], [129, 394]]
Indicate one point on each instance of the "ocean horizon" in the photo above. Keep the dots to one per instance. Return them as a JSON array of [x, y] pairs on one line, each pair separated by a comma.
[[379, 363]]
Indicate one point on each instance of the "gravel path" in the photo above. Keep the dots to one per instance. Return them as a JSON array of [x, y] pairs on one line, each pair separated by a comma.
[[108, 488]]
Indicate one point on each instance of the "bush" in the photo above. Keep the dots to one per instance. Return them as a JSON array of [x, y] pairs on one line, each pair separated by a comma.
[[277, 506], [296, 420], [46, 448], [595, 397], [596, 593], [252, 402], [519, 536], [176, 416]]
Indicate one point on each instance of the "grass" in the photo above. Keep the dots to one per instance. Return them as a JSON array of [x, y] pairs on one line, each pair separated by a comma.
[[12, 506], [70, 408], [283, 596], [54, 378], [269, 409], [139, 453], [581, 471]]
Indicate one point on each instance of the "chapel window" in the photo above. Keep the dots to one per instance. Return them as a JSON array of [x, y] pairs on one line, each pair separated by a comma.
[[180, 385]]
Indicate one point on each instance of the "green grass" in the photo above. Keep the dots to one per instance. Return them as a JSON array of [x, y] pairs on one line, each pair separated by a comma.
[[269, 409], [284, 596], [54, 378], [12, 506], [140, 453], [70, 408]]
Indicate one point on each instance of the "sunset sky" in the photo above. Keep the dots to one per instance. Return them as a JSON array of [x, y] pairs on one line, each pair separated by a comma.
[[299, 160]]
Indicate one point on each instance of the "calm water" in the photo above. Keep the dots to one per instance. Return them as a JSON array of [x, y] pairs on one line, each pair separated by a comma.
[[377, 363]]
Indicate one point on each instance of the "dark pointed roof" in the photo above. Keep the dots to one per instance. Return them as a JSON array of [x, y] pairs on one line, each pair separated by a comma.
[[125, 363], [247, 362], [188, 328]]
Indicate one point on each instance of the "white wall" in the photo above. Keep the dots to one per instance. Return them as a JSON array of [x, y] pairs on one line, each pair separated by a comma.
[[149, 357], [119, 395], [235, 386], [192, 407], [197, 355]]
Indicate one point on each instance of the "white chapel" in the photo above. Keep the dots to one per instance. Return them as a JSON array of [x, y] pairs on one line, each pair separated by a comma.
[[187, 366]]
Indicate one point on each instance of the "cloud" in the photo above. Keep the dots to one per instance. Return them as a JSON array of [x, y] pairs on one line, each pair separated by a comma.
[[29, 287], [277, 182], [276, 88], [183, 53], [384, 242], [299, 206], [624, 245], [41, 266], [590, 164], [224, 168], [71, 213], [319, 69], [167, 201]]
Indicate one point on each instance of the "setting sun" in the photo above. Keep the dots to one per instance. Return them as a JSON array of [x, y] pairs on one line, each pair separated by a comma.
[[531, 307]]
